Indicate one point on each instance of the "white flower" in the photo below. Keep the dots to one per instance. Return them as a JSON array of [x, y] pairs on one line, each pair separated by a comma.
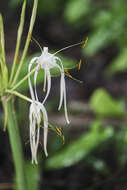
[[36, 111], [48, 61]]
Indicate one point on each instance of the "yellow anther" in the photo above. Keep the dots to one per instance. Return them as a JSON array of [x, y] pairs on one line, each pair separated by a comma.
[[79, 64], [85, 42], [59, 131], [41, 143], [67, 73]]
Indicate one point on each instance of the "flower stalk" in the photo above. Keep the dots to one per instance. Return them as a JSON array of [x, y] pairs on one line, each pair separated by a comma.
[[32, 21], [16, 146]]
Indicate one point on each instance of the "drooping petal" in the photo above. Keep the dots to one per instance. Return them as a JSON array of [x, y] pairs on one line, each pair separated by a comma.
[[33, 60], [32, 133], [30, 84], [29, 80], [45, 120], [45, 77], [48, 75], [35, 119], [35, 79], [63, 91], [65, 101]]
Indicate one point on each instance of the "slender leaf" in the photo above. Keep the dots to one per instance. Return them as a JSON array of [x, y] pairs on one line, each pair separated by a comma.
[[80, 148]]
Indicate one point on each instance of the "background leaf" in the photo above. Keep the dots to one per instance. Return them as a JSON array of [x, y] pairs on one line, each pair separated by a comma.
[[103, 104], [80, 148]]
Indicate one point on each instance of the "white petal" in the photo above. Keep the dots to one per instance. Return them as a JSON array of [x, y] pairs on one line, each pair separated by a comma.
[[65, 103], [35, 79], [48, 84], [33, 60], [63, 92], [58, 59], [45, 118], [29, 82], [44, 87]]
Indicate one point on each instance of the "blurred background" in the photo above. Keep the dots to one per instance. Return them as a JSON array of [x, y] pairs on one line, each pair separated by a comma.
[[94, 155]]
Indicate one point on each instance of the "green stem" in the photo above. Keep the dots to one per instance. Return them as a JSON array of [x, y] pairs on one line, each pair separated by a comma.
[[16, 147], [32, 21], [23, 79], [19, 95], [19, 35]]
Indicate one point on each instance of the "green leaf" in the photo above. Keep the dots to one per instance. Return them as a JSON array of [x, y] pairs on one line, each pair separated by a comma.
[[104, 34], [119, 64], [76, 9], [19, 35], [32, 175], [103, 104], [3, 67], [2, 42], [80, 148]]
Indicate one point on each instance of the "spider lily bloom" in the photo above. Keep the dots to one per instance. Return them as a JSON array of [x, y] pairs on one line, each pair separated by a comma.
[[36, 110], [48, 61]]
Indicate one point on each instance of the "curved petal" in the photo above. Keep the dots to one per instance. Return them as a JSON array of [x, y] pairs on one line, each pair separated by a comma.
[[65, 103], [30, 84], [33, 60], [45, 119], [63, 91], [48, 75], [35, 87], [44, 87]]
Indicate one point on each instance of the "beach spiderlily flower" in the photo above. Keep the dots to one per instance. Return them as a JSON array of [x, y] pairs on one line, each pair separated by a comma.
[[48, 61], [37, 110]]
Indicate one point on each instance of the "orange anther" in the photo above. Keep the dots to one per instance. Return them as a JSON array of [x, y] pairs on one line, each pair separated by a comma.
[[68, 74], [79, 64]]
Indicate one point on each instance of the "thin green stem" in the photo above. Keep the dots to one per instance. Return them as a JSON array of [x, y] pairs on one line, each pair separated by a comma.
[[23, 79], [19, 95], [19, 35], [16, 147], [32, 21]]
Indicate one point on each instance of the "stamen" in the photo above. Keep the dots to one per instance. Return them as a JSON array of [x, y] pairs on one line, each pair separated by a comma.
[[38, 44], [59, 131], [85, 42], [79, 64], [69, 75], [77, 44]]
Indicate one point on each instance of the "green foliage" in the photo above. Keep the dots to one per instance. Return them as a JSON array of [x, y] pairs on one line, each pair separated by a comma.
[[104, 105], [14, 3], [121, 145], [3, 67], [119, 64], [48, 7], [80, 148], [75, 11], [32, 175]]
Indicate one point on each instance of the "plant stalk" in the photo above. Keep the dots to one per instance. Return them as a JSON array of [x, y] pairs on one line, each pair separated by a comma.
[[32, 21], [17, 152]]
